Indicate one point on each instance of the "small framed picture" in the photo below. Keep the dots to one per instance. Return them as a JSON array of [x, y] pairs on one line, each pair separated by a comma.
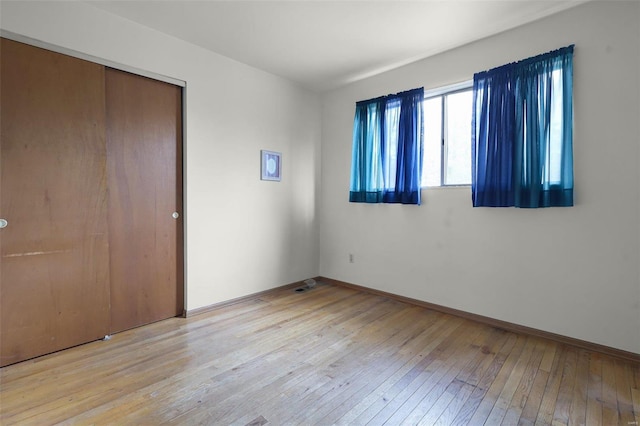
[[271, 165]]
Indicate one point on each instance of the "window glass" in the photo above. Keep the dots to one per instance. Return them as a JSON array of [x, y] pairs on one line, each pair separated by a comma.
[[432, 154], [458, 138], [447, 137]]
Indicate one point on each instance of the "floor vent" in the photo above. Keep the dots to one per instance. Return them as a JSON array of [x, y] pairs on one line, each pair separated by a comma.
[[258, 422], [308, 285]]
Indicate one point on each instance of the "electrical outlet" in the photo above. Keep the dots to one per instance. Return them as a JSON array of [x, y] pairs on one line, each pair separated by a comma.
[[351, 259]]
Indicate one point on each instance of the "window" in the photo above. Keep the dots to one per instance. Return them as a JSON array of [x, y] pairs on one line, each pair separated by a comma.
[[447, 136], [508, 134]]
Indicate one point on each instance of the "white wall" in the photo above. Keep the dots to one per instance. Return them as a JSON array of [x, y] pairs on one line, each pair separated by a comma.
[[572, 271], [243, 235]]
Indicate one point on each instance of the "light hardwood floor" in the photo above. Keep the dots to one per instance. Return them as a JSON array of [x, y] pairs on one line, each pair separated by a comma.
[[331, 355]]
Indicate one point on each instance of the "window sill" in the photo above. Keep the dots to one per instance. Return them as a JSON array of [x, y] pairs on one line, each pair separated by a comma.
[[439, 188]]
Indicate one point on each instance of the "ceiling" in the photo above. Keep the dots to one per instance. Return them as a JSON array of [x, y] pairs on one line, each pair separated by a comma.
[[323, 45]]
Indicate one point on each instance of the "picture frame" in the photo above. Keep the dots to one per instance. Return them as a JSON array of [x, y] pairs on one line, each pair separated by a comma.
[[271, 165]]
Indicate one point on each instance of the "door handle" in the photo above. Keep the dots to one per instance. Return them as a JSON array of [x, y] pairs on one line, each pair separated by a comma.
[[3, 223]]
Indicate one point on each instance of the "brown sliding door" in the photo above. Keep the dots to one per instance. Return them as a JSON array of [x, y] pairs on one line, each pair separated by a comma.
[[91, 179], [54, 265], [144, 164]]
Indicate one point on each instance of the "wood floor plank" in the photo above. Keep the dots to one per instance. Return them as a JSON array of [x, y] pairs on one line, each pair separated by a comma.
[[338, 370], [549, 355], [240, 387], [440, 386], [427, 366], [442, 399], [565, 393], [378, 397], [370, 356], [405, 354], [396, 362], [332, 355], [623, 393], [578, 409], [548, 404], [351, 383], [470, 407], [635, 395], [523, 391], [491, 397], [471, 376], [501, 405], [594, 391], [331, 358], [610, 414], [368, 379], [535, 395]]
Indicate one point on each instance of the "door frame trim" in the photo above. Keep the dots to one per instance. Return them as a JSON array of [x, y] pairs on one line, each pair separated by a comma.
[[95, 59]]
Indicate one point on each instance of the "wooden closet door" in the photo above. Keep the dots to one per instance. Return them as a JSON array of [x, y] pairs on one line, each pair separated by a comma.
[[54, 290], [144, 139]]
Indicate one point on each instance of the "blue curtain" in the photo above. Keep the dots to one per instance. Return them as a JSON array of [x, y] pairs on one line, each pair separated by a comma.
[[522, 132], [386, 161]]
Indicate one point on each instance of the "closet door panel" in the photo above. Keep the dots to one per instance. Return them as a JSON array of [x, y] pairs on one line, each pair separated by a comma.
[[54, 273], [144, 131]]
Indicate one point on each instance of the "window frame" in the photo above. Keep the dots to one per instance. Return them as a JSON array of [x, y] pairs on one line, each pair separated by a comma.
[[443, 92]]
